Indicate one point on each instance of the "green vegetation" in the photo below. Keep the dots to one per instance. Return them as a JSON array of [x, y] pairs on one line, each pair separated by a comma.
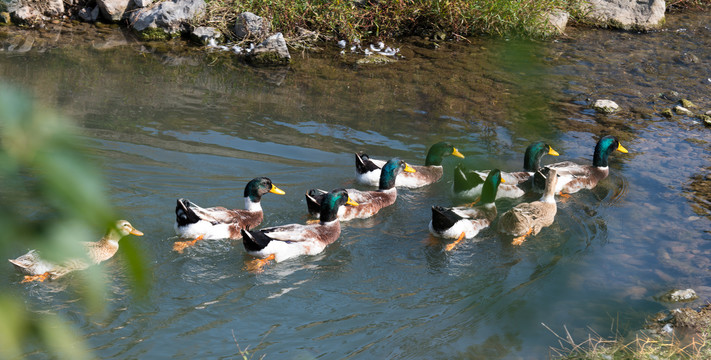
[[53, 199], [357, 19]]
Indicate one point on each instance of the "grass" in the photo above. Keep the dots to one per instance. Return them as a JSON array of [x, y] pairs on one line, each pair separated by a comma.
[[642, 347], [380, 19]]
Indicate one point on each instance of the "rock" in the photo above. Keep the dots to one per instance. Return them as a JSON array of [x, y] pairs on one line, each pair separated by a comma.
[[680, 295], [168, 17], [28, 14], [557, 20], [113, 9], [271, 52], [55, 7], [687, 104], [670, 95], [251, 27], [667, 113], [605, 106], [687, 59], [680, 110], [375, 59], [204, 34], [5, 17], [706, 119], [627, 14], [142, 3], [88, 14]]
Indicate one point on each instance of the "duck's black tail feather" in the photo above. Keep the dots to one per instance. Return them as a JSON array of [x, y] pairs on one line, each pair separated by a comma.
[[363, 163], [254, 240], [184, 215], [443, 218], [314, 198], [465, 179]]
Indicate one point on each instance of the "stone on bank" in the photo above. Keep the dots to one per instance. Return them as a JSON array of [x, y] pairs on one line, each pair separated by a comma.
[[271, 52]]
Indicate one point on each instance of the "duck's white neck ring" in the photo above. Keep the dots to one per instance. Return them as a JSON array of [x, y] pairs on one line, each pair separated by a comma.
[[250, 205]]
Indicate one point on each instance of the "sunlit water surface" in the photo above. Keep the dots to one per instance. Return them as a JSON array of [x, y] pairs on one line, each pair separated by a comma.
[[165, 126]]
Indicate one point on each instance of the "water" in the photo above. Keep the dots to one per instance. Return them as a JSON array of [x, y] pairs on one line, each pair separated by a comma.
[[168, 126]]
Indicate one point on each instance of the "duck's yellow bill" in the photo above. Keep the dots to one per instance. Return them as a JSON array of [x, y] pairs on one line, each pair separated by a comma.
[[552, 152], [621, 149], [502, 180], [136, 232], [456, 153], [276, 190], [351, 202], [409, 168]]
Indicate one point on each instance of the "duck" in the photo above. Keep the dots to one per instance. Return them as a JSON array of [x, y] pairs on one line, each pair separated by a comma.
[[368, 170], [466, 222], [38, 269], [193, 221], [573, 177], [468, 183], [529, 218], [283, 242], [369, 202]]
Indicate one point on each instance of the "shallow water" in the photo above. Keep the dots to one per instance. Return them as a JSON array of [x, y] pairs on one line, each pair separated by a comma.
[[165, 126]]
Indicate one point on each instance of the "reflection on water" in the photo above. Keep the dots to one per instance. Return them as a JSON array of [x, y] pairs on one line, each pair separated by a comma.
[[385, 290]]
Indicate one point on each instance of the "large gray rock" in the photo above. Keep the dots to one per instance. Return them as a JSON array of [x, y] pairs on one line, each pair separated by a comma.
[[271, 52], [170, 16], [55, 7], [113, 9], [251, 27], [627, 14], [27, 14], [88, 14], [204, 34], [142, 3]]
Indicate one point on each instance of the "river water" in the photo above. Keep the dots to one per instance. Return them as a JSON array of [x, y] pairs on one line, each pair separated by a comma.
[[165, 125]]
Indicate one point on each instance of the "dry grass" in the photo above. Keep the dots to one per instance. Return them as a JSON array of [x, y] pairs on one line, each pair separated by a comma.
[[642, 347]]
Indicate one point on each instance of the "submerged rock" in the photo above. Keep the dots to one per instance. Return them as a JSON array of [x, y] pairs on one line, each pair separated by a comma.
[[626, 14], [605, 106], [271, 52], [667, 113], [687, 104], [680, 295], [88, 14], [682, 110]]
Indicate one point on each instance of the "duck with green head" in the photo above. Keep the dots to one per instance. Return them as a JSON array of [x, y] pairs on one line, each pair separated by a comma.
[[573, 177], [466, 222], [368, 170], [288, 241], [193, 221], [369, 202], [468, 183]]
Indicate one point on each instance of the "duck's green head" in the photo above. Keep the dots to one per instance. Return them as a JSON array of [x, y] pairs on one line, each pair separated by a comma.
[[439, 151], [390, 171], [333, 200], [534, 153], [605, 146], [491, 186], [260, 186]]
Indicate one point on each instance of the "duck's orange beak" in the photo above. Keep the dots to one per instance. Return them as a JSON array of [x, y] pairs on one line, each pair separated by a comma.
[[621, 149], [552, 152], [276, 190], [351, 202], [409, 168], [456, 153]]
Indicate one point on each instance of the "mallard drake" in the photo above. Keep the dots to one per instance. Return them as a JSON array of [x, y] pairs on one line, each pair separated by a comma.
[[466, 222], [573, 177], [468, 183], [287, 241], [38, 269], [193, 221], [368, 170], [529, 218], [369, 202]]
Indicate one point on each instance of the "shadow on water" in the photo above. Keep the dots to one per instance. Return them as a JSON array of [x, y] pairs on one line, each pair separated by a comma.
[[166, 126]]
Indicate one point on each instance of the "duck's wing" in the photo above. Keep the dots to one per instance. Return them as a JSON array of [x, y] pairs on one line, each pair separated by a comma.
[[187, 212]]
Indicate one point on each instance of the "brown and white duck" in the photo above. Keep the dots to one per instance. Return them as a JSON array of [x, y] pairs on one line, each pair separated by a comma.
[[368, 170], [37, 269], [573, 177], [369, 202], [529, 218]]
